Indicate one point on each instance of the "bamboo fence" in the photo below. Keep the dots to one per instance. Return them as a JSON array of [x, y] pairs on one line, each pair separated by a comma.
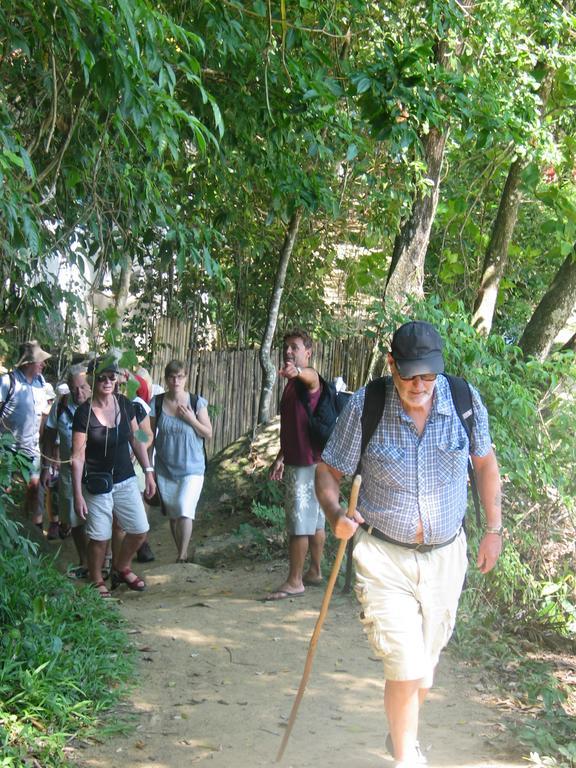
[[231, 379]]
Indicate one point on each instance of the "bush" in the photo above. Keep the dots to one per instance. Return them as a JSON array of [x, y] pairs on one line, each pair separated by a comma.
[[64, 657]]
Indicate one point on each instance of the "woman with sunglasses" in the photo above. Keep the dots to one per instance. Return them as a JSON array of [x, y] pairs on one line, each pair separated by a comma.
[[180, 423], [104, 482]]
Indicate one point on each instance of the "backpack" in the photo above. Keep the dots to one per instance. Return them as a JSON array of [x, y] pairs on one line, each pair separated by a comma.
[[10, 393], [462, 399], [330, 405], [193, 404]]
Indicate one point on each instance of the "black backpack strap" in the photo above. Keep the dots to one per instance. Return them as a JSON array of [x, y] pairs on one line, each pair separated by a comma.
[[159, 399], [372, 410], [194, 406], [462, 399], [304, 394], [10, 394]]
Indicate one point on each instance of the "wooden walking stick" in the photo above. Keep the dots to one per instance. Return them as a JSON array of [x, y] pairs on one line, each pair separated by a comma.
[[318, 628]]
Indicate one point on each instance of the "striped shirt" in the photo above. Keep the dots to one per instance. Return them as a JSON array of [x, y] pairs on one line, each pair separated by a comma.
[[407, 477]]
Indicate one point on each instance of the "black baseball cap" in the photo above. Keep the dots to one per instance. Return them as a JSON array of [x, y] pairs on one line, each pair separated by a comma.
[[417, 348]]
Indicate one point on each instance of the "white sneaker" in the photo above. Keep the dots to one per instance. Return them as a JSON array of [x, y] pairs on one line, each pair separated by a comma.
[[409, 764], [419, 758], [417, 761]]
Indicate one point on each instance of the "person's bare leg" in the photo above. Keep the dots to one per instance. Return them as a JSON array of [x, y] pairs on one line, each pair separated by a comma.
[[32, 500], [128, 549], [96, 554], [184, 528], [118, 535], [316, 546], [175, 532], [297, 551], [81, 543], [402, 701]]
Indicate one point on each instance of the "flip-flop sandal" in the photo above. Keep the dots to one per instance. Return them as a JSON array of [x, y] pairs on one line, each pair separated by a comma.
[[281, 594], [121, 577]]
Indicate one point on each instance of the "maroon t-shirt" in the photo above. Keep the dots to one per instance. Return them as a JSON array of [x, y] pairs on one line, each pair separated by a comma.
[[294, 439]]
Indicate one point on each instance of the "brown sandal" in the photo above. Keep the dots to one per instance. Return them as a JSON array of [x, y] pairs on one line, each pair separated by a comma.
[[103, 590], [121, 577]]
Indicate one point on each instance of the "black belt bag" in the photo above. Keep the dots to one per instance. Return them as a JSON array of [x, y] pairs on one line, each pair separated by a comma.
[[413, 545], [98, 482]]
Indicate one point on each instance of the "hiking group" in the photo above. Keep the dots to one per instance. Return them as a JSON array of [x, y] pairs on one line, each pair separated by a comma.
[[409, 438], [106, 449]]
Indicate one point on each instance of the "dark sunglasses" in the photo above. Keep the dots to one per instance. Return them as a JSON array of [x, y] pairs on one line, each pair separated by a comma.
[[106, 377], [423, 376]]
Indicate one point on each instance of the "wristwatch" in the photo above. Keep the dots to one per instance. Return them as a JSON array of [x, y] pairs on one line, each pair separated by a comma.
[[149, 469], [299, 370], [498, 530]]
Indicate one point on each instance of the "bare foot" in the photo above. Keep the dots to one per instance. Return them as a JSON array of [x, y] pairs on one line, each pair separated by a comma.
[[312, 579]]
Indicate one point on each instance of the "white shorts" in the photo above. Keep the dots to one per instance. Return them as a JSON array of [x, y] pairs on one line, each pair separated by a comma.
[[409, 601], [304, 515], [180, 496], [124, 502]]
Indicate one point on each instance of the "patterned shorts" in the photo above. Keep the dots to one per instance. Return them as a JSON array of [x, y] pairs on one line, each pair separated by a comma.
[[304, 515]]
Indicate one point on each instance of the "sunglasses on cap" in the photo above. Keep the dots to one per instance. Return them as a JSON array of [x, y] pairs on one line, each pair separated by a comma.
[[106, 377]]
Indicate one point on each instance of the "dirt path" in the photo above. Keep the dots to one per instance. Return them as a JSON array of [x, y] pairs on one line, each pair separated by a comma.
[[219, 671]]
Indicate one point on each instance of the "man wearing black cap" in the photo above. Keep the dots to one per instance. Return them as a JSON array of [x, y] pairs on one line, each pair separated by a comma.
[[410, 548]]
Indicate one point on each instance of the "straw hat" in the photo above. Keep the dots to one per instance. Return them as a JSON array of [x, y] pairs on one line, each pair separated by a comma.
[[31, 352]]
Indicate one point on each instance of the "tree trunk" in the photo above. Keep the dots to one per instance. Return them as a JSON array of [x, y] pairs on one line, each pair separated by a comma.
[[553, 312], [123, 292], [268, 369], [570, 344], [496, 256], [406, 273]]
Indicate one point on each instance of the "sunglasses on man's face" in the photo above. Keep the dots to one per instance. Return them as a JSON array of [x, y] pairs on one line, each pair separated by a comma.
[[106, 377], [423, 376]]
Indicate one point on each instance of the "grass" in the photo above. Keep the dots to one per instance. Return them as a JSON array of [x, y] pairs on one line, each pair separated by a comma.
[[65, 660]]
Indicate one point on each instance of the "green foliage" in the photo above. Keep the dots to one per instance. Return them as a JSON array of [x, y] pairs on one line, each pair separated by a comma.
[[85, 174], [12, 463], [529, 680], [64, 660]]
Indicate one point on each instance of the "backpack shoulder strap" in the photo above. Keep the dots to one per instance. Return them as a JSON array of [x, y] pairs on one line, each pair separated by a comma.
[[372, 410], [158, 409], [10, 393], [194, 405], [462, 399], [304, 395]]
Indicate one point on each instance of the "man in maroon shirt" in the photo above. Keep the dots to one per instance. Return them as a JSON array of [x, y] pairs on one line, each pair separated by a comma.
[[296, 464]]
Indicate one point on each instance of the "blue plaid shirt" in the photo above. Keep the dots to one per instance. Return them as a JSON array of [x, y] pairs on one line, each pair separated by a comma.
[[407, 477]]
